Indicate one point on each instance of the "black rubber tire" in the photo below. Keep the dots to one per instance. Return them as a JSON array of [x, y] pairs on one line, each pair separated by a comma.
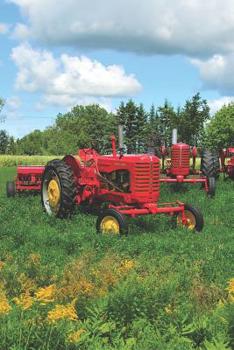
[[67, 184], [216, 164], [198, 216], [210, 164], [123, 225], [211, 186], [10, 189]]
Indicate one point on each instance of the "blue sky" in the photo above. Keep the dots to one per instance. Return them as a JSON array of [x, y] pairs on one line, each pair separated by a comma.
[[54, 55]]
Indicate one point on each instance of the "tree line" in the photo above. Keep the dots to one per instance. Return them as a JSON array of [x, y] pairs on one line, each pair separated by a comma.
[[92, 125]]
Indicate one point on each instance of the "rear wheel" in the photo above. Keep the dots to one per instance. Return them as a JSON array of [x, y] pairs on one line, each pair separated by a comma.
[[10, 189], [210, 164], [110, 221], [194, 218], [58, 189]]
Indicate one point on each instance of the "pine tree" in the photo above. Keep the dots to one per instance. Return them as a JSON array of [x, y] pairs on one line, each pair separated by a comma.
[[141, 129], [152, 114], [127, 116], [153, 132], [167, 121], [192, 119]]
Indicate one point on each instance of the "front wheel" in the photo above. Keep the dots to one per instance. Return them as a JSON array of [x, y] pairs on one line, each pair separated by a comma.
[[193, 216], [211, 186], [110, 221]]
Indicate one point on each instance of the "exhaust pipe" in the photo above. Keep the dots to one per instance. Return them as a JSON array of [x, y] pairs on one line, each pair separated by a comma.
[[121, 143], [174, 136]]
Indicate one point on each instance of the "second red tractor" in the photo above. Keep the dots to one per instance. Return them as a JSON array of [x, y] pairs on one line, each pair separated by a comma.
[[181, 166]]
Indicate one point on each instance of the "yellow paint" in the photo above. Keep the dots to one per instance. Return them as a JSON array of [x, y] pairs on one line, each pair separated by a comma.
[[54, 193], [191, 220], [109, 225]]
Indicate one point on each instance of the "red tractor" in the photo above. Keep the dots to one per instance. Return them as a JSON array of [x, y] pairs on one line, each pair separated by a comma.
[[227, 162], [28, 179], [178, 170], [117, 185]]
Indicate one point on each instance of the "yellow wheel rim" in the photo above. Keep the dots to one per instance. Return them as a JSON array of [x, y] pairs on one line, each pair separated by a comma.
[[191, 220], [54, 193], [110, 225]]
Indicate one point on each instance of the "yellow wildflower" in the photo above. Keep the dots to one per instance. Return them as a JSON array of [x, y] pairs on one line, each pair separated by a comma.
[[1, 265], [46, 294], [85, 286], [35, 258], [4, 305], [74, 337], [230, 287], [25, 300], [27, 284], [126, 265], [62, 312], [168, 309]]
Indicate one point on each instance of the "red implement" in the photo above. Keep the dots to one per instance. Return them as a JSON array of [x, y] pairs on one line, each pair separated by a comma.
[[28, 178]]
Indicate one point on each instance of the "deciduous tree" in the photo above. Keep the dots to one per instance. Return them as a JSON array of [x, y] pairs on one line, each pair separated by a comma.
[[220, 130]]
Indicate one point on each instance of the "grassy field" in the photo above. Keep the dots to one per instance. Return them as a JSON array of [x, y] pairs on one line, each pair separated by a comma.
[[62, 286], [13, 160]]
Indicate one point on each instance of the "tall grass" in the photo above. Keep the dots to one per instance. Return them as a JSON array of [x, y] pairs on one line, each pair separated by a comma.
[[62, 286]]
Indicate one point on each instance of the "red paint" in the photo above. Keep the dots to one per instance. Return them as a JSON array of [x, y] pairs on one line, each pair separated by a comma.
[[180, 160], [227, 167], [29, 178], [178, 168]]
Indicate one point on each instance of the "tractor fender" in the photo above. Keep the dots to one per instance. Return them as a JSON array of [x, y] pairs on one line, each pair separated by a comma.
[[75, 163]]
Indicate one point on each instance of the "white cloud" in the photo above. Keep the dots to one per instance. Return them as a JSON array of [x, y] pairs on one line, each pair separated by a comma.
[[4, 28], [65, 80], [217, 73], [218, 103], [192, 27]]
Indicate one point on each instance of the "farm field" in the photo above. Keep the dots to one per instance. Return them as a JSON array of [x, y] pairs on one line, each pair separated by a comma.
[[62, 286], [13, 160]]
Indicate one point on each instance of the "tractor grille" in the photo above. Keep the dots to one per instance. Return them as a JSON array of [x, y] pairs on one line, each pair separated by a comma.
[[180, 158], [147, 177]]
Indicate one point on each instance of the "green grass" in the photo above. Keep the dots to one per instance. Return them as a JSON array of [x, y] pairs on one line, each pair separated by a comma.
[[13, 160], [172, 296]]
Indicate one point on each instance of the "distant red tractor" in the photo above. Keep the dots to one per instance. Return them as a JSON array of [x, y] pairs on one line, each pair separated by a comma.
[[28, 178], [178, 170], [227, 162]]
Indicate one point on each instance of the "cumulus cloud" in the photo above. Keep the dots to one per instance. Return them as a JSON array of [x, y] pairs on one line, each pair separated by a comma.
[[217, 73], [218, 103], [192, 27], [67, 79]]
